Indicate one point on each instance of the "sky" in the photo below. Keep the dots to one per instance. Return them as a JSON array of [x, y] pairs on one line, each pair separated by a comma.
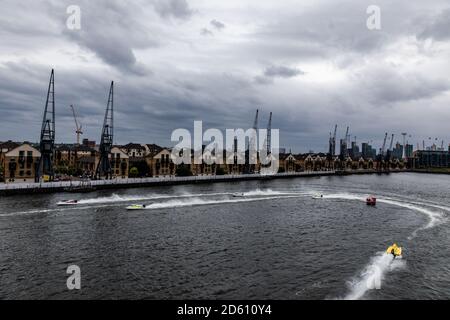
[[313, 63]]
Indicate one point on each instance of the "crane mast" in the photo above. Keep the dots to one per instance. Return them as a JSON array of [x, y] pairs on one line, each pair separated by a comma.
[[77, 125], [392, 141], [384, 144], [47, 141], [104, 166], [269, 135]]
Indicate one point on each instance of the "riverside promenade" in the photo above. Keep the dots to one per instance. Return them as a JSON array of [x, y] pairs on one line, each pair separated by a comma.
[[63, 186]]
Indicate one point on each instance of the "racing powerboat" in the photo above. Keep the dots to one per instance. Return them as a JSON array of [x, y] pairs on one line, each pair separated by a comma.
[[136, 207], [371, 201], [317, 196], [394, 250], [67, 203], [238, 195]]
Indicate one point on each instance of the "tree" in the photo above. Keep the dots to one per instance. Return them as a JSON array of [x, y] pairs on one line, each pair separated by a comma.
[[134, 172], [143, 168], [183, 171], [220, 171]]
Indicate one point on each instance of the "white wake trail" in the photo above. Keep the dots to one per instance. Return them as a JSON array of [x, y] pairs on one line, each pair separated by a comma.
[[382, 263], [199, 202], [117, 198], [373, 274]]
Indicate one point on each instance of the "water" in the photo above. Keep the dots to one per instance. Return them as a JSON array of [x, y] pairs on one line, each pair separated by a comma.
[[198, 241]]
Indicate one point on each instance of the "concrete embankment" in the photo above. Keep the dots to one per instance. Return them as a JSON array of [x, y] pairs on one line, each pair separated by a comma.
[[54, 187]]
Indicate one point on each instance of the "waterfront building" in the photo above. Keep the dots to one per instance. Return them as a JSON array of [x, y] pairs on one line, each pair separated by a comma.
[[161, 164], [425, 159], [287, 163], [76, 160], [119, 163], [19, 162]]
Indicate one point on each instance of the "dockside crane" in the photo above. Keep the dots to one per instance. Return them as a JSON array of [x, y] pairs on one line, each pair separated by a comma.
[[389, 151], [392, 142], [383, 147], [78, 125], [44, 168], [104, 166], [269, 135], [380, 158]]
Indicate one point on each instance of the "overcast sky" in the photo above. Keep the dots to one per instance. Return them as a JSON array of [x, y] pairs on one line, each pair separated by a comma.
[[313, 63]]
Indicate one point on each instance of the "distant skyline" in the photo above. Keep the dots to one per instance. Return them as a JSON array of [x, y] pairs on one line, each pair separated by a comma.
[[312, 63]]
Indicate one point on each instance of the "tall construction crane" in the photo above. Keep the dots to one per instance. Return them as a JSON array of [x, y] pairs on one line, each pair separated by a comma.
[[383, 147], [47, 141], [344, 144], [269, 135], [392, 141], [251, 148], [78, 125], [104, 166], [255, 123], [389, 154]]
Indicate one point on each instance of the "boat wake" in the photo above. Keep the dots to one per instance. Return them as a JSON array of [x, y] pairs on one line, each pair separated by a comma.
[[372, 275], [199, 202], [117, 198], [382, 263], [434, 217], [178, 200]]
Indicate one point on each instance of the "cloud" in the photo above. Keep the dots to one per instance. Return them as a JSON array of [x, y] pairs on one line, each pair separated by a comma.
[[439, 29], [217, 24], [174, 8], [312, 65], [206, 32], [282, 72]]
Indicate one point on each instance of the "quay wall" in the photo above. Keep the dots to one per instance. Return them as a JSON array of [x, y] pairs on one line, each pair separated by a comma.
[[54, 187]]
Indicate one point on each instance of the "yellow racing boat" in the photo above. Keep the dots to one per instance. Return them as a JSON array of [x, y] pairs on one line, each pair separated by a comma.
[[394, 250], [136, 207]]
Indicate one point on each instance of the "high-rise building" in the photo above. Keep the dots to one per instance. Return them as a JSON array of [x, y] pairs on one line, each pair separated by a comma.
[[367, 152], [397, 152], [409, 150]]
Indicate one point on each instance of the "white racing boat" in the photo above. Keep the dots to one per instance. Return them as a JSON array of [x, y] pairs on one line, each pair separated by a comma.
[[136, 207], [67, 203], [238, 195], [317, 196]]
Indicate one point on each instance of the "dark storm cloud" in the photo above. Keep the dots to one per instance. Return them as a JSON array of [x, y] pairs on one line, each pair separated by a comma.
[[113, 31], [320, 64]]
